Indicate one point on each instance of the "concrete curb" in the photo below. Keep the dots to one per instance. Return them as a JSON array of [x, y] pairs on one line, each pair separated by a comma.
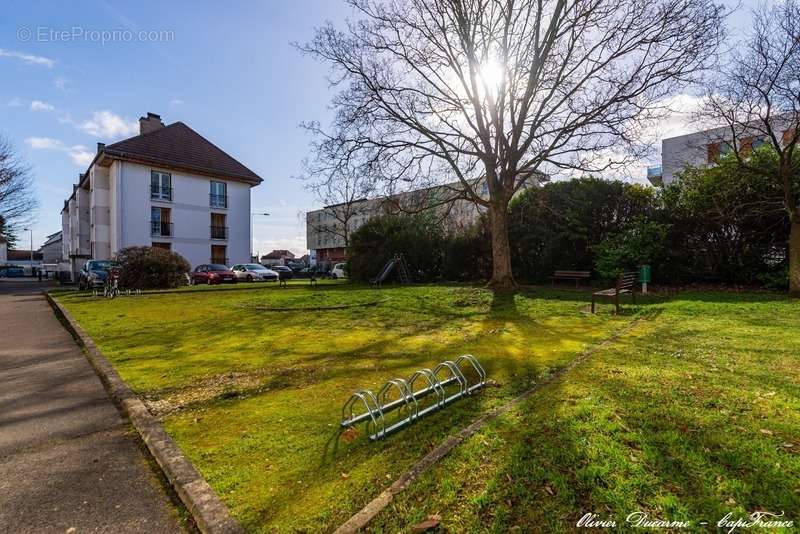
[[209, 512]]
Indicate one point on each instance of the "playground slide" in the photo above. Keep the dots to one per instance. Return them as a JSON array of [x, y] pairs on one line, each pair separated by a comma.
[[385, 272]]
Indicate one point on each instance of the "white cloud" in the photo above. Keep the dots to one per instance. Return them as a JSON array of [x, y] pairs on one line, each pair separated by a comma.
[[38, 105], [107, 125], [60, 83], [45, 143], [30, 59], [79, 154], [15, 102], [681, 119], [176, 102]]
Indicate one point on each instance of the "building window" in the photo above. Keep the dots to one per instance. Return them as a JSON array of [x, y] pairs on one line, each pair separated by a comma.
[[163, 246], [717, 150], [219, 254], [219, 195], [218, 228], [160, 222], [160, 185]]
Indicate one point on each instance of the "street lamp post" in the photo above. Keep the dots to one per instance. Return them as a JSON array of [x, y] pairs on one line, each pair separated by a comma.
[[31, 231], [252, 233]]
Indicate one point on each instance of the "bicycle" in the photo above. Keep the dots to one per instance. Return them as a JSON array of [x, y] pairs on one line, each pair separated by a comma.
[[111, 285]]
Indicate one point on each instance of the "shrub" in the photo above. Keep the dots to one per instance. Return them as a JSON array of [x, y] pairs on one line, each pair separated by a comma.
[[638, 243], [559, 225], [418, 237], [151, 268], [468, 255], [727, 223]]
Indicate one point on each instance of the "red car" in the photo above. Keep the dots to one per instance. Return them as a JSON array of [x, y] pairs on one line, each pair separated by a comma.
[[212, 273]]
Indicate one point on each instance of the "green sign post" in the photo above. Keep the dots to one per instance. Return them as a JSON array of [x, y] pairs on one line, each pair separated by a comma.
[[644, 276]]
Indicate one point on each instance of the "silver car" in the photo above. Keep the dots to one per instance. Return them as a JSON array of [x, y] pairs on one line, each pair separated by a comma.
[[253, 272]]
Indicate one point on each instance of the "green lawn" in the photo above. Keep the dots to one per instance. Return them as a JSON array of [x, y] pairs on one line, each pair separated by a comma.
[[691, 416], [693, 412], [254, 397]]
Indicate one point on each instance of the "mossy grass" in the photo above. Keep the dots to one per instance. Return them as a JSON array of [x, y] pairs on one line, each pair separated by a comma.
[[254, 400]]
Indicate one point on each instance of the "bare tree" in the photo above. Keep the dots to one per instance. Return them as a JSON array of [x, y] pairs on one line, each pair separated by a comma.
[[17, 200], [508, 90], [343, 192], [758, 100]]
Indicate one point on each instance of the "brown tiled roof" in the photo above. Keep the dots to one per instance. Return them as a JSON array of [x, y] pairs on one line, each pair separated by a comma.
[[23, 255], [179, 146], [277, 254]]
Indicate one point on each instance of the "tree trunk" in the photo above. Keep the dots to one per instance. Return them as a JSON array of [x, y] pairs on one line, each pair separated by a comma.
[[794, 260], [502, 278]]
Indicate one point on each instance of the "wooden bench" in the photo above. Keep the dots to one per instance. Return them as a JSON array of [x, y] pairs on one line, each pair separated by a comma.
[[626, 283], [571, 275]]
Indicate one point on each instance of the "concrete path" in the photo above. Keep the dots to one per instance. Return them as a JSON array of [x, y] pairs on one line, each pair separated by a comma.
[[67, 460]]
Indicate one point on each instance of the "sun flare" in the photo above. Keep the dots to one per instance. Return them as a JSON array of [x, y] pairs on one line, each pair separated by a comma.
[[491, 75]]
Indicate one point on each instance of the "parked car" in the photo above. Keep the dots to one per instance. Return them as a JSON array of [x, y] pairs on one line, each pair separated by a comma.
[[253, 272], [284, 273], [11, 271], [94, 273], [212, 273], [323, 271], [339, 271], [305, 272], [296, 266]]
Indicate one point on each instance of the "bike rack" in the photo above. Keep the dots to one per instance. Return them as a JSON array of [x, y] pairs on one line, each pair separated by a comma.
[[401, 396]]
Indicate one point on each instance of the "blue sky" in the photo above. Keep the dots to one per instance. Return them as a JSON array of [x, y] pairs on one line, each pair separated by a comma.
[[230, 73]]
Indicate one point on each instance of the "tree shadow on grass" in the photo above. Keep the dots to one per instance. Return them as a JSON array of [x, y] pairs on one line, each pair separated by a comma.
[[621, 437]]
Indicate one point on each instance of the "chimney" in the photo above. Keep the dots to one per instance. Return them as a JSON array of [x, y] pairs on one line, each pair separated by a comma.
[[151, 123], [100, 147]]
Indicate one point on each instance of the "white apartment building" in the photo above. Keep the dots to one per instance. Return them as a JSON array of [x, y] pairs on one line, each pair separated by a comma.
[[167, 187], [704, 149]]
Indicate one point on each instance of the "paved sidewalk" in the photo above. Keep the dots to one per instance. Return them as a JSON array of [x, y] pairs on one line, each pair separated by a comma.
[[66, 457]]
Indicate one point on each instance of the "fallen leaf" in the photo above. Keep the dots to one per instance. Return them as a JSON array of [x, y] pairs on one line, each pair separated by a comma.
[[345, 475], [350, 434], [432, 521], [767, 432]]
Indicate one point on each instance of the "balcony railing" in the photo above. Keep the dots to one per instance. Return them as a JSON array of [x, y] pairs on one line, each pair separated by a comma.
[[219, 232], [218, 201], [160, 193], [654, 176], [162, 229]]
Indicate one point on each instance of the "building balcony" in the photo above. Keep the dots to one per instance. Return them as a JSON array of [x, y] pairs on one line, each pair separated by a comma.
[[160, 193], [218, 201], [654, 175], [160, 229], [219, 232]]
